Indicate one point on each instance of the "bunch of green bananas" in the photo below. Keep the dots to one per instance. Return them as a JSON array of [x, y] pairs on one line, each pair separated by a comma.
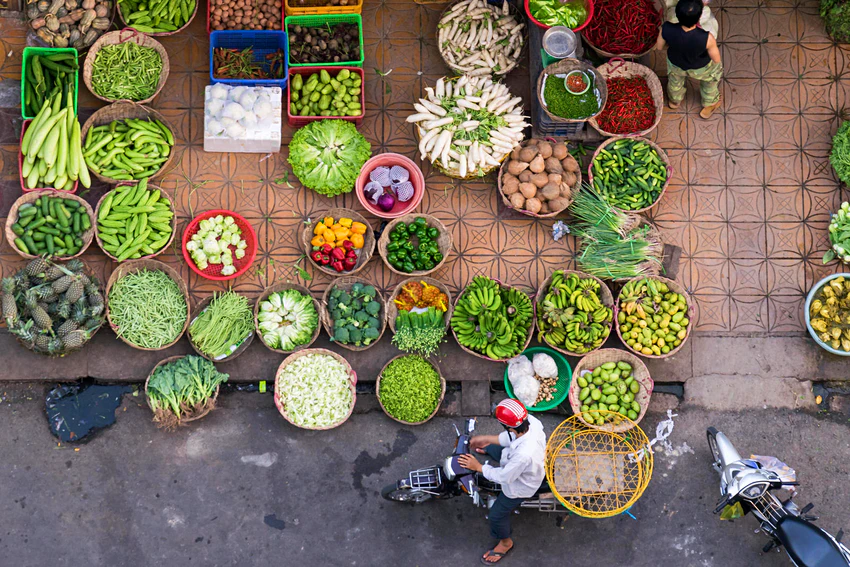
[[492, 320], [572, 315]]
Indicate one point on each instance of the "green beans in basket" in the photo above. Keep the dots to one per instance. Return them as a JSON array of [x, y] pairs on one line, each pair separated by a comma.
[[126, 71], [629, 174], [128, 149], [157, 16], [133, 221]]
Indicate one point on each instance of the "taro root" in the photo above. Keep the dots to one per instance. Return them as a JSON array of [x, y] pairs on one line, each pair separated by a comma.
[[569, 163], [553, 165], [570, 178], [545, 149], [544, 208], [511, 188], [525, 176], [516, 167], [517, 201], [559, 204], [555, 178], [560, 150], [539, 179], [537, 165], [550, 191], [533, 205], [527, 154], [528, 190]]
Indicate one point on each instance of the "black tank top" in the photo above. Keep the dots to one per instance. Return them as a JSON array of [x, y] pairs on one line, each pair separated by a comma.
[[686, 50]]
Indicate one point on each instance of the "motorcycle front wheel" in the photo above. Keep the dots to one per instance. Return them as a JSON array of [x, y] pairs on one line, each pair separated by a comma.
[[393, 493], [711, 434]]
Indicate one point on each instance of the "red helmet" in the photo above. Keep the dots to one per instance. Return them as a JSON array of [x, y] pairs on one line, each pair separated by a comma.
[[511, 413]]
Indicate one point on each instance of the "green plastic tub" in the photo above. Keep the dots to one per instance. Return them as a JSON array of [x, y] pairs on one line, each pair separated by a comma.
[[27, 56], [562, 386], [323, 19]]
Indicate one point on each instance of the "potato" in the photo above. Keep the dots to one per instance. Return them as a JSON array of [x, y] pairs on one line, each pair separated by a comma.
[[566, 192], [544, 208], [528, 190], [560, 150], [533, 205], [550, 191], [537, 165], [516, 167], [570, 178], [515, 153], [528, 154], [545, 149], [525, 176], [553, 165], [569, 163], [559, 204], [539, 179], [511, 188], [555, 178], [517, 201]]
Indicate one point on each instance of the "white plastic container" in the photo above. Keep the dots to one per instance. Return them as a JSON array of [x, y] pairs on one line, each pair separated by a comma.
[[233, 123]]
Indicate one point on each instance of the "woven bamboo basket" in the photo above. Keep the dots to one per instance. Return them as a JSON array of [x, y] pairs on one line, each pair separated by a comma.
[[243, 346], [674, 286], [439, 402], [38, 41], [163, 193], [507, 202], [639, 371], [608, 55], [281, 404], [208, 407], [122, 110], [626, 70], [363, 255], [31, 197], [159, 34], [444, 242], [117, 38], [563, 67], [134, 266], [345, 284], [605, 296], [662, 155], [392, 308], [283, 287]]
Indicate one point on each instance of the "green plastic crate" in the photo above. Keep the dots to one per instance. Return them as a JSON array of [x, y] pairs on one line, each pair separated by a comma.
[[322, 19], [562, 386], [29, 52]]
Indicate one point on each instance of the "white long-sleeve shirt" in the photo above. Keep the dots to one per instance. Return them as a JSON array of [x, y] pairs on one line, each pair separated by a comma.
[[521, 469]]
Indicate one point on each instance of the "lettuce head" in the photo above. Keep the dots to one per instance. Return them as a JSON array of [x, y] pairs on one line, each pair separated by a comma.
[[327, 155]]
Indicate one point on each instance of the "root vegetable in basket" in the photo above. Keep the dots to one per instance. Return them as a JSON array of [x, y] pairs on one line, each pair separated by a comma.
[[245, 15], [325, 43], [610, 387], [69, 23], [537, 180], [182, 389]]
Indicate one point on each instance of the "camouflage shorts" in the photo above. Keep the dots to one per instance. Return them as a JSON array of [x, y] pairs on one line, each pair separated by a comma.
[[708, 77]]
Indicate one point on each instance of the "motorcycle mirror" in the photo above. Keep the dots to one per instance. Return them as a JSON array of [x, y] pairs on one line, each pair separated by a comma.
[[457, 431]]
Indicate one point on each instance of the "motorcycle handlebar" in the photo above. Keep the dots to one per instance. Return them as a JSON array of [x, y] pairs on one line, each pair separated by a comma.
[[722, 505]]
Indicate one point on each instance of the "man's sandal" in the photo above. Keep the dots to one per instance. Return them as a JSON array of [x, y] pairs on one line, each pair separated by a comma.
[[494, 553]]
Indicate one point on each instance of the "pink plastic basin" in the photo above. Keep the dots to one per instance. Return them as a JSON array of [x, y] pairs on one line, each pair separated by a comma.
[[389, 160]]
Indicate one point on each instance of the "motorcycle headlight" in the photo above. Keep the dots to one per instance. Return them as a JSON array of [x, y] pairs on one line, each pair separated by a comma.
[[754, 491]]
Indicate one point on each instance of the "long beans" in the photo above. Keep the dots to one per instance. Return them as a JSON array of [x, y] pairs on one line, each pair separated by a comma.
[[126, 71], [223, 325], [147, 308]]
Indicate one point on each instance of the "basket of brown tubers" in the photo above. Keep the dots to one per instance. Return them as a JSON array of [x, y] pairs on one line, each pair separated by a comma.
[[540, 178]]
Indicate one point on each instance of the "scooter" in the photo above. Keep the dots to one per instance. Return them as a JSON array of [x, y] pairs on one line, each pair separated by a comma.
[[747, 482], [449, 479]]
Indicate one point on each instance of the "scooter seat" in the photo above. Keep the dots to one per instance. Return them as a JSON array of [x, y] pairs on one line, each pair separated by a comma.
[[807, 545]]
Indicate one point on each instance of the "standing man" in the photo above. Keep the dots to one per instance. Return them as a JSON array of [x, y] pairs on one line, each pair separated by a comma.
[[692, 52], [521, 452]]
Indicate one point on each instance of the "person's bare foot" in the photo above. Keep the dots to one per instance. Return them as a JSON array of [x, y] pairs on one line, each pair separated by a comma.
[[502, 549]]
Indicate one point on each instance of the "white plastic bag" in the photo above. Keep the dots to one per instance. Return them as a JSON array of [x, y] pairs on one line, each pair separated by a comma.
[[526, 389], [545, 366], [519, 366]]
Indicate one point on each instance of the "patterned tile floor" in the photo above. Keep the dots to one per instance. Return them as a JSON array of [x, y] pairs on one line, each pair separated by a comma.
[[748, 205]]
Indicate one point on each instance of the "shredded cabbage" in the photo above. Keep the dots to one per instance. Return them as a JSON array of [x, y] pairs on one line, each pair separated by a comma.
[[315, 390]]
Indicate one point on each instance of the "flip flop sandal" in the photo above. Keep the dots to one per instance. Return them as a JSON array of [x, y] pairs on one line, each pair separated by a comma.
[[494, 553]]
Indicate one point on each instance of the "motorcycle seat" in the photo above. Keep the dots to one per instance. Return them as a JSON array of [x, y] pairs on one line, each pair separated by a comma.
[[807, 545]]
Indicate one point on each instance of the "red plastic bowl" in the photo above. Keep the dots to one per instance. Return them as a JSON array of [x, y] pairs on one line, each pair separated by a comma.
[[213, 272], [543, 26], [24, 187], [389, 160]]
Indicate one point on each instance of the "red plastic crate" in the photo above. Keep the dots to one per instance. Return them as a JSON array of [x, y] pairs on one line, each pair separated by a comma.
[[298, 121], [24, 187], [213, 272], [282, 17]]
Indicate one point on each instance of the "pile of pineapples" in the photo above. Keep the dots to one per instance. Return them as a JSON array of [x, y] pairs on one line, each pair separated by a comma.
[[52, 308]]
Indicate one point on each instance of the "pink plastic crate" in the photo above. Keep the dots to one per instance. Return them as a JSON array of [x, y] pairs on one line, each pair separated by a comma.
[[298, 121], [21, 168]]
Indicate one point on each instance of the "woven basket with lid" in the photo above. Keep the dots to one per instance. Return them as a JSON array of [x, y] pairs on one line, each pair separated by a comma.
[[345, 284], [439, 402], [284, 287], [363, 255], [193, 416], [444, 241], [619, 69], [563, 67], [31, 197], [117, 38]]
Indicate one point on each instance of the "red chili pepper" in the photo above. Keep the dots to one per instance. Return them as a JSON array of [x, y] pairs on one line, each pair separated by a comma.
[[630, 107], [623, 26]]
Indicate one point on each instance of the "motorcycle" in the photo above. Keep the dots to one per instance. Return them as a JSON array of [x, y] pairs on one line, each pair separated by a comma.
[[745, 481]]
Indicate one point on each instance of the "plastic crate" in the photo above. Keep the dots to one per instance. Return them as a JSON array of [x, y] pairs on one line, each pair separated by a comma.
[[262, 42], [259, 140], [562, 387], [28, 54], [298, 121], [309, 10], [24, 187], [329, 19], [209, 13], [213, 271]]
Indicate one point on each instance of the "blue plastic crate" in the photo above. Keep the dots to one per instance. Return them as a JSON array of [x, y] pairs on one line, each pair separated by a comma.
[[262, 42]]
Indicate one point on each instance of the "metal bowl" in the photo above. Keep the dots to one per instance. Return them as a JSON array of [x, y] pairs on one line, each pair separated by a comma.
[[809, 298]]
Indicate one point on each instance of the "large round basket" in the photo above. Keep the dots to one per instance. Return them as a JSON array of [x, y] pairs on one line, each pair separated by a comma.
[[619, 69], [160, 34], [284, 287], [133, 266], [544, 27], [363, 255], [662, 155], [345, 285], [807, 311], [439, 402], [605, 296], [674, 286], [117, 38], [208, 407], [563, 67], [507, 202], [163, 194], [444, 242], [562, 386], [122, 110], [31, 197], [392, 308], [240, 348], [640, 373], [607, 55], [281, 404]]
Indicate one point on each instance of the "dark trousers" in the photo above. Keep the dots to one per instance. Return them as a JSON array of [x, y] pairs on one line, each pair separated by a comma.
[[500, 513]]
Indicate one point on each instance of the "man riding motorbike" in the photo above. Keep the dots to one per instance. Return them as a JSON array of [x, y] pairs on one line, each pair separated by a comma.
[[521, 453]]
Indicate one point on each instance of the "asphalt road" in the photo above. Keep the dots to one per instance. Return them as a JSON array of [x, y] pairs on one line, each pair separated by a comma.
[[244, 488]]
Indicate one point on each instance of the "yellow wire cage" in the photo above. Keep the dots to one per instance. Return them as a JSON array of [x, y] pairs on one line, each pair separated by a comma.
[[597, 472]]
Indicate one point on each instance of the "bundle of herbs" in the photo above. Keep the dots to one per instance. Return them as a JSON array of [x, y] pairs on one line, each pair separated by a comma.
[[183, 389], [420, 324], [222, 326]]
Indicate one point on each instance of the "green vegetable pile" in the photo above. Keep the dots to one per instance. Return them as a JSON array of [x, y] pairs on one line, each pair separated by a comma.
[[47, 75], [182, 389], [157, 16], [413, 247], [51, 227], [133, 221], [147, 308], [419, 333], [839, 235], [287, 319], [129, 149], [836, 19], [225, 323], [323, 95], [629, 174], [610, 387], [565, 104], [126, 71], [559, 12], [410, 389], [840, 155], [355, 314], [327, 155], [315, 391]]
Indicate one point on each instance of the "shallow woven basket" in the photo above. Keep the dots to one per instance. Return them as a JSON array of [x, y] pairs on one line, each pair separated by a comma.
[[117, 38], [122, 110], [674, 286], [281, 406], [639, 371], [626, 70], [606, 297], [345, 285], [183, 421], [283, 287], [31, 197], [507, 202], [439, 402], [159, 34], [392, 308], [243, 346], [662, 155], [133, 266], [607, 55], [163, 193], [444, 242], [564, 66], [363, 255]]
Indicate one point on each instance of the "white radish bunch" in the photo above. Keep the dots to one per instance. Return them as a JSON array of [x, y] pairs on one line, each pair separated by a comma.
[[480, 39], [468, 126]]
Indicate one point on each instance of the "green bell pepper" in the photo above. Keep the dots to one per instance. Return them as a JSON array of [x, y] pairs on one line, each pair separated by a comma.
[[424, 245], [414, 255], [433, 233], [393, 246], [419, 265], [420, 221], [392, 258], [438, 257], [408, 267], [407, 246], [430, 265]]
